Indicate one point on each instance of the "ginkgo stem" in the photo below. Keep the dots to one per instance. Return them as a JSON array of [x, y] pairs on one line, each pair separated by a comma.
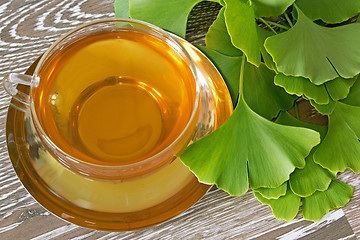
[[284, 22], [297, 111], [275, 24], [268, 25], [288, 19], [279, 25]]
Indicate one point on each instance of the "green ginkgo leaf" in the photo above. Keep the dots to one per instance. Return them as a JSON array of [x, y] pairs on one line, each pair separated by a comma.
[[340, 149], [262, 95], [339, 88], [316, 52], [325, 109], [353, 97], [229, 67], [317, 205], [170, 15], [245, 34], [335, 11], [272, 193], [249, 149], [336, 89], [242, 27], [285, 207], [218, 38], [302, 87], [304, 182], [266, 8]]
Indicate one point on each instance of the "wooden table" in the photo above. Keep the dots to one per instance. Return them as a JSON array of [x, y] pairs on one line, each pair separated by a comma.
[[27, 28]]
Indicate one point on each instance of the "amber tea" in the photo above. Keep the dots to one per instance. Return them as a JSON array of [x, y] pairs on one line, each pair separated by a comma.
[[115, 98]]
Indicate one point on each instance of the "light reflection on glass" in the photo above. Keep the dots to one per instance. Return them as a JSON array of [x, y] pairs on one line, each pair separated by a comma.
[[195, 57]]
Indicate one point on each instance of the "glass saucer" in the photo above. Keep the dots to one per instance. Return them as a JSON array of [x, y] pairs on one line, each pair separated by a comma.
[[114, 205]]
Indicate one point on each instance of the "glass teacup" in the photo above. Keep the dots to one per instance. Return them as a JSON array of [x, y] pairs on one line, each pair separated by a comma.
[[114, 102]]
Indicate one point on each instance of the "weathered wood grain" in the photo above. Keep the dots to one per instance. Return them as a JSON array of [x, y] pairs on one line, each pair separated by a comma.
[[27, 28]]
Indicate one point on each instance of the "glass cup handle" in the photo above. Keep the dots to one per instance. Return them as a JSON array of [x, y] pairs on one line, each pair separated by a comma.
[[22, 99]]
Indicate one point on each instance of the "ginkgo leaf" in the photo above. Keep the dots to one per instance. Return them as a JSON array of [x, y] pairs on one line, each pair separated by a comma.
[[325, 109], [239, 13], [261, 94], [170, 15], [339, 88], [316, 52], [340, 149], [353, 97], [336, 89], [217, 38], [247, 148], [266, 8], [285, 207], [272, 193], [317, 205], [302, 86], [304, 182], [229, 67], [245, 34], [335, 11]]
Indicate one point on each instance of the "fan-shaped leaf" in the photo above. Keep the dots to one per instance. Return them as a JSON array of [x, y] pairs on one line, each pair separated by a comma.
[[317, 205], [329, 11], [353, 97], [340, 149], [339, 88], [262, 95], [245, 34], [239, 13], [304, 182], [171, 15], [217, 38], [325, 109], [336, 89], [315, 52], [266, 8], [248, 148], [285, 207], [302, 86], [272, 193]]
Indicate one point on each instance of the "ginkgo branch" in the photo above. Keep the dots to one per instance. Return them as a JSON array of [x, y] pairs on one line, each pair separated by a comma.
[[267, 22], [268, 25], [288, 19]]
